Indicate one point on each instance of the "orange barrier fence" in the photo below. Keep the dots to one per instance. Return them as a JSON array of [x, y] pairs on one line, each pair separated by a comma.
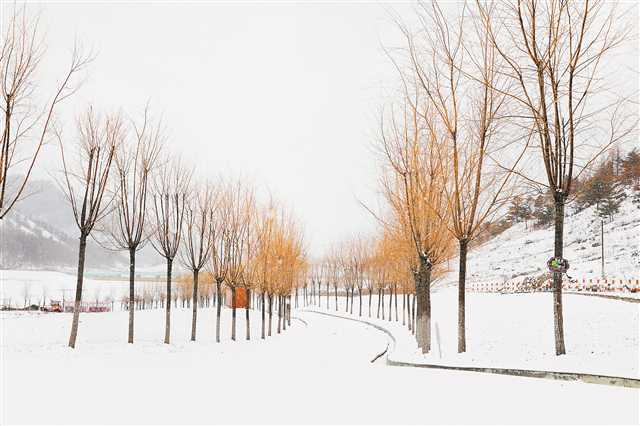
[[599, 285]]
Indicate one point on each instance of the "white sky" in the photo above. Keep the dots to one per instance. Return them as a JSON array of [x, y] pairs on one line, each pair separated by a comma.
[[284, 94]]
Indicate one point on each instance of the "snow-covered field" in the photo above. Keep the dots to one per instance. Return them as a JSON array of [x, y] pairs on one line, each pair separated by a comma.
[[320, 373], [319, 370], [516, 331], [519, 252], [19, 288]]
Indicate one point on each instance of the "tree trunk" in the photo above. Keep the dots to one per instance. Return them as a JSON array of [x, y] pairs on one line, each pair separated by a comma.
[[382, 304], [167, 320], [351, 306], [413, 315], [390, 301], [335, 292], [557, 277], [423, 302], [395, 299], [218, 309], [360, 298], [379, 299], [370, 296], [246, 315], [270, 312], [462, 276], [78, 300], [262, 307], [284, 312], [327, 295], [280, 313], [194, 316], [132, 275], [409, 313], [233, 313], [346, 307], [404, 307], [289, 311]]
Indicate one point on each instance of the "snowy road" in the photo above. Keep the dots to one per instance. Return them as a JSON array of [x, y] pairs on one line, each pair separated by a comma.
[[316, 374]]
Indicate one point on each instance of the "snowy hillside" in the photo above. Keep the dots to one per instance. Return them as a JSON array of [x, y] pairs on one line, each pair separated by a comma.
[[42, 234], [29, 243], [522, 251]]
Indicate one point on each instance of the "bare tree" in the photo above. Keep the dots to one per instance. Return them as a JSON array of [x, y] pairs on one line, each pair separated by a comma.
[[85, 183], [457, 69], [553, 52], [220, 255], [198, 240], [26, 125], [355, 256], [263, 259], [240, 207], [169, 201], [413, 187], [134, 162]]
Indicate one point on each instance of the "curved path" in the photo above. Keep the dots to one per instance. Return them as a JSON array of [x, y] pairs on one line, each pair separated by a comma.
[[321, 373], [538, 374]]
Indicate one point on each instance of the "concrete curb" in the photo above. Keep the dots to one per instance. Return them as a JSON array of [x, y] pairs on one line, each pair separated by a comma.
[[627, 382], [306, 324]]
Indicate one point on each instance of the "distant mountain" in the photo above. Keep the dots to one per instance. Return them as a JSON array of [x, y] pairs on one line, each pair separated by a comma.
[[44, 202], [31, 244], [40, 233]]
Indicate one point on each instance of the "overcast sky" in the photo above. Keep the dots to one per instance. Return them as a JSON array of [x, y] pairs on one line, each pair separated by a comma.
[[284, 94]]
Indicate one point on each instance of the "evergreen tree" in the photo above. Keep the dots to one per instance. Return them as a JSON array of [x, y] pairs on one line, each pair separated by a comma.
[[630, 174], [596, 190], [635, 196], [519, 210], [609, 203], [543, 210]]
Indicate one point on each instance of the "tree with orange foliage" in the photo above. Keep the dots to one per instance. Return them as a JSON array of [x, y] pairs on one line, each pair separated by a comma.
[[412, 185]]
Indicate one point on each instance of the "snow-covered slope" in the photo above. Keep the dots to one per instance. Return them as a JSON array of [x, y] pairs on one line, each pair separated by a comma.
[[522, 251], [28, 242], [31, 243]]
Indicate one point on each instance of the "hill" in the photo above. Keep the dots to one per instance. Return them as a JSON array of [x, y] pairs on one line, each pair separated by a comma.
[[523, 251]]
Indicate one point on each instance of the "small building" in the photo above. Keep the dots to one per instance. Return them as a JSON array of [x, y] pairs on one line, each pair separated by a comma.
[[240, 301]]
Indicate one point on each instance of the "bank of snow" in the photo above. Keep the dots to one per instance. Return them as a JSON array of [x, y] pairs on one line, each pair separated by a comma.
[[516, 331], [522, 251]]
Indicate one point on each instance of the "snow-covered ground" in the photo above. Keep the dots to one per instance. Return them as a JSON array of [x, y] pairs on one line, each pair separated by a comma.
[[319, 370], [320, 373], [519, 252], [516, 331]]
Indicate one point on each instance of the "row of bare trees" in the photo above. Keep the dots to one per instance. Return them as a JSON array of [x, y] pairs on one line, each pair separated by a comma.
[[368, 270], [493, 96], [121, 182], [125, 190]]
